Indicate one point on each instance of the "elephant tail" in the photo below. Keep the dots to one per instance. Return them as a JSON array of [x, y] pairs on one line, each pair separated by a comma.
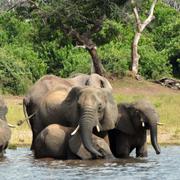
[[25, 104]]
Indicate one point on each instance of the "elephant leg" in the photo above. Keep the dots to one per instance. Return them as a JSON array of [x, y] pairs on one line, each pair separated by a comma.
[[37, 127], [141, 151], [122, 151], [119, 143]]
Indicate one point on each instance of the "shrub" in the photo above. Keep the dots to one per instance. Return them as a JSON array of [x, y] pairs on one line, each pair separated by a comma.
[[116, 58], [153, 64], [13, 76]]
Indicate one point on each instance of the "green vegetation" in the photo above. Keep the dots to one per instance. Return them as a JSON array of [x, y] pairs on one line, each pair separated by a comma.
[[31, 47]]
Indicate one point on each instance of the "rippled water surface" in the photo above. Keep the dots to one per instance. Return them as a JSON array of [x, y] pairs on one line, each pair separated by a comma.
[[20, 164]]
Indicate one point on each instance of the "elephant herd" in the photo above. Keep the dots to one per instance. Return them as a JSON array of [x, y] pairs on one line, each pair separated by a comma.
[[78, 118]]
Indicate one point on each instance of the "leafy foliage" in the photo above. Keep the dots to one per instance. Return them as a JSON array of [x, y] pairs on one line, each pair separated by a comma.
[[33, 44], [19, 63]]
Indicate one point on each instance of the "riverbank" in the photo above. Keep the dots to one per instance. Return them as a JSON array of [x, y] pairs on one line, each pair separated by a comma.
[[166, 101]]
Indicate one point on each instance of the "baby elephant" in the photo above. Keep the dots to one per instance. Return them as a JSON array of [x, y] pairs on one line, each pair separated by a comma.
[[131, 129], [57, 141], [5, 132]]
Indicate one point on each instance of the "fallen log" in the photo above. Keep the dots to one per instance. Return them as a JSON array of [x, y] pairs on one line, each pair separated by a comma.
[[169, 82]]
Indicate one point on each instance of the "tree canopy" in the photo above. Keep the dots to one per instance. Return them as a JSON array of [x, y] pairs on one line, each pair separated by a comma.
[[36, 38]]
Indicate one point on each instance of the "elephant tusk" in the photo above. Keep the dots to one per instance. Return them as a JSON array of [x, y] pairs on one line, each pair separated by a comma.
[[75, 131], [142, 121], [160, 124], [143, 125], [20, 122], [11, 126], [98, 129]]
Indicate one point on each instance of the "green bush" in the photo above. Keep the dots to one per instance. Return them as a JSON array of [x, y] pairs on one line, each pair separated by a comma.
[[115, 58], [153, 64], [30, 48], [20, 65], [13, 75], [64, 60], [74, 60]]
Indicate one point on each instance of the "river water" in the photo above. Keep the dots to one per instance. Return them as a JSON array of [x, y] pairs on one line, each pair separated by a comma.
[[20, 164]]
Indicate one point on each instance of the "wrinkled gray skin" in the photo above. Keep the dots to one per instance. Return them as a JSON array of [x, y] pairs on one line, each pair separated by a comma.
[[49, 83], [83, 106], [56, 141], [130, 134], [5, 132]]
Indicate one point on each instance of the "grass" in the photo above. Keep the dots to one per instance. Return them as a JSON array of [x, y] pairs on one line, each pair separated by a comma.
[[166, 101], [21, 135]]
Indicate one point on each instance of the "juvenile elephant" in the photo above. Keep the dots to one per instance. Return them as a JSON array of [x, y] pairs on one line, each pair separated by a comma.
[[5, 132], [83, 107], [57, 142], [131, 129], [50, 83]]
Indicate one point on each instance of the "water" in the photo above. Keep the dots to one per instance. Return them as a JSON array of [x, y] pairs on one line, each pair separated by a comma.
[[20, 164]]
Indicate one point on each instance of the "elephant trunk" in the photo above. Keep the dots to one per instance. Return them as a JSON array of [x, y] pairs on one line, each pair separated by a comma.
[[87, 122], [153, 134]]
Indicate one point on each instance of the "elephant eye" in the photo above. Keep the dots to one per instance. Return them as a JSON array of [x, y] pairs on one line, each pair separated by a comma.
[[100, 108]]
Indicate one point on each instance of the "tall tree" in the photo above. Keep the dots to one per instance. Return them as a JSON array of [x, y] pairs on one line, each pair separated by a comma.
[[79, 20], [140, 26]]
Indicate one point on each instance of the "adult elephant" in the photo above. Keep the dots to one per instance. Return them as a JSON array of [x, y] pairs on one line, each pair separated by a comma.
[[95, 80], [83, 107], [5, 132], [51, 82], [57, 142], [48, 83], [131, 129]]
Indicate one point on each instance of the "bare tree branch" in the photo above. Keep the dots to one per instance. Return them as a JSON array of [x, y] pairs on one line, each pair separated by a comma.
[[150, 17], [140, 27], [137, 18]]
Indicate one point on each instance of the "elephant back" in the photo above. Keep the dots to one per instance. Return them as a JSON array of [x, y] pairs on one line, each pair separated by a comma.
[[97, 81], [44, 85], [50, 105]]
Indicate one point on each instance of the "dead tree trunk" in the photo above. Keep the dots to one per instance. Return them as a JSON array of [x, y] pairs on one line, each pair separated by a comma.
[[96, 61], [140, 26], [90, 46]]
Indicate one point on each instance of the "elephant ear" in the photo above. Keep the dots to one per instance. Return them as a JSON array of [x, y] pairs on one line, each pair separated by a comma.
[[125, 123], [110, 113], [105, 83], [77, 148], [73, 94]]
